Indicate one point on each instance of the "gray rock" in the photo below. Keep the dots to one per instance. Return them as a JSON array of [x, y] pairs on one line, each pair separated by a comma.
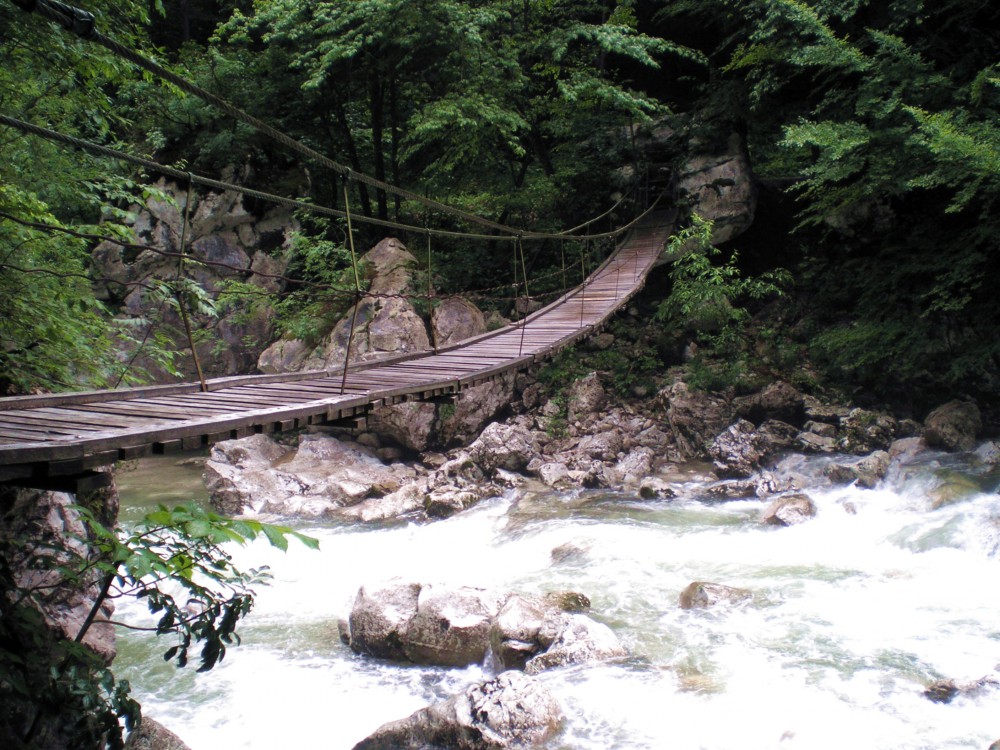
[[380, 619], [655, 488], [988, 453], [695, 418], [789, 510], [284, 355], [512, 711], [554, 474], [585, 398], [779, 400], [151, 735], [320, 477], [451, 626], [503, 446], [604, 445], [737, 451], [578, 640], [701, 594], [953, 426], [634, 468], [536, 633], [720, 187], [863, 431], [815, 442], [867, 472], [455, 319]]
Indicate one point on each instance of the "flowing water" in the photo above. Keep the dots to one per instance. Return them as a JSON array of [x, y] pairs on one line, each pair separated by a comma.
[[854, 613]]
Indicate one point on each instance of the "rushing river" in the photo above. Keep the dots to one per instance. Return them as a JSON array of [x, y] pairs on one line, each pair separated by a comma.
[[854, 613]]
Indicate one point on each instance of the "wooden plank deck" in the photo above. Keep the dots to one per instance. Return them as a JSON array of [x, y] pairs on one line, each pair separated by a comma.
[[51, 436]]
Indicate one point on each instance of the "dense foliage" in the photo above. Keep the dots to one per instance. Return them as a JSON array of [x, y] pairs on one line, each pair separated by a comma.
[[878, 119]]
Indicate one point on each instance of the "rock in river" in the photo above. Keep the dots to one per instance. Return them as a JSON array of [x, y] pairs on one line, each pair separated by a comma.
[[510, 711]]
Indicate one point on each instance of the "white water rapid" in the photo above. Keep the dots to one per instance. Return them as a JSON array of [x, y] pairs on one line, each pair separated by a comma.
[[853, 615]]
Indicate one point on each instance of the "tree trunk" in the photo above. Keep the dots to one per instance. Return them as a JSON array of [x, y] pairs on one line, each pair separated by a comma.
[[352, 151], [377, 101]]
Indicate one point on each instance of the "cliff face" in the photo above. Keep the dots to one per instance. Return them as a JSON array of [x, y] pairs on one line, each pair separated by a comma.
[[49, 649]]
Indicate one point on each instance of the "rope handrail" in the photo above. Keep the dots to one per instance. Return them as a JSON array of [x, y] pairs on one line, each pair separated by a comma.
[[182, 175], [83, 24]]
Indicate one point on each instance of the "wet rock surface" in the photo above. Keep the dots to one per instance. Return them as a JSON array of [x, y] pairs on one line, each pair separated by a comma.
[[512, 710], [459, 626], [702, 594], [953, 426]]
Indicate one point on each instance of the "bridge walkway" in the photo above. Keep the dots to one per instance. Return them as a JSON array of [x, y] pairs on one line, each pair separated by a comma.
[[44, 439]]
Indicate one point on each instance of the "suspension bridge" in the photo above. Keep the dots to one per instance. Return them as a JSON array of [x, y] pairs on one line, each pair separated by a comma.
[[59, 440]]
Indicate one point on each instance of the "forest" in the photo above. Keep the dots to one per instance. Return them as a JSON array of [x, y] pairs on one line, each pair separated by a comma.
[[871, 129]]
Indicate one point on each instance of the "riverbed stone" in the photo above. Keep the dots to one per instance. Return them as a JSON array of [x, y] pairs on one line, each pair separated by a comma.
[[863, 431], [511, 711], [503, 446], [578, 640], [789, 510], [380, 619], [953, 426], [321, 475], [703, 594], [738, 450], [537, 633], [152, 735], [451, 626], [866, 472], [695, 418]]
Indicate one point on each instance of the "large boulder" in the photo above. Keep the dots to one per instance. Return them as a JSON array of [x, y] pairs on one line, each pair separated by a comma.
[[789, 510], [455, 319], [510, 711], [152, 735], [585, 398], [779, 400], [695, 417], [383, 324], [322, 475], [720, 187], [953, 426], [738, 450], [866, 472], [423, 624], [458, 626], [503, 446], [537, 633], [863, 431]]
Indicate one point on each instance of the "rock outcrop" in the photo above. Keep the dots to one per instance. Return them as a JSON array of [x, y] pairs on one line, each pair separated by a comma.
[[428, 624], [789, 510], [454, 319], [720, 187], [225, 242], [48, 592], [512, 711], [318, 478], [953, 426]]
